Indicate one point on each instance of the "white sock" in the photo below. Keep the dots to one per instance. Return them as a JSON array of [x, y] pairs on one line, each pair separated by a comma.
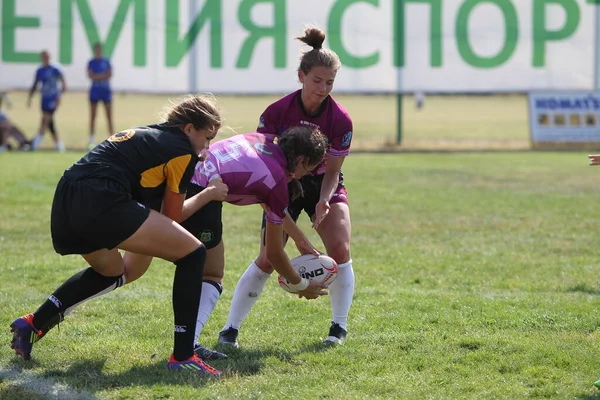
[[208, 301], [246, 293], [35, 143], [92, 139], [340, 294]]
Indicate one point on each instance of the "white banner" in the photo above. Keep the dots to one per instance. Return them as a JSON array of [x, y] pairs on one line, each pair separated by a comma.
[[564, 117], [248, 46]]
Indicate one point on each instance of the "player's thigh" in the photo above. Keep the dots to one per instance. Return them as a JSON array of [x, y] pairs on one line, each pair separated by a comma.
[[335, 231], [161, 237], [105, 262], [108, 108], [46, 117], [214, 268]]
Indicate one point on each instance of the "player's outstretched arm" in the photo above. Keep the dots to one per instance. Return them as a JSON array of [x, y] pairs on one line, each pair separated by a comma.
[[32, 91]]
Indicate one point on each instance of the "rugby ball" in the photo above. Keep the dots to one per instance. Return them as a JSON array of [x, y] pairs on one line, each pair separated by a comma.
[[321, 269]]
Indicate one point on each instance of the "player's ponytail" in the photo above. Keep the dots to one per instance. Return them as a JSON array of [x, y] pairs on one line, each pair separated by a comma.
[[303, 141], [199, 110], [318, 56]]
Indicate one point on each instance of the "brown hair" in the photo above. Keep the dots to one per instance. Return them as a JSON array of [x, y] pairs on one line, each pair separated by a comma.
[[303, 141], [199, 110], [318, 56]]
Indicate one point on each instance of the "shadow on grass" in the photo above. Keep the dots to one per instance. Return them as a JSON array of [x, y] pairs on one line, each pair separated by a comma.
[[584, 288], [249, 362], [88, 376], [17, 393], [595, 396]]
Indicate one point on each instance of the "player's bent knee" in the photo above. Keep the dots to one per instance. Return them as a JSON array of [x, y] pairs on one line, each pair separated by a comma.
[[264, 265], [339, 251], [216, 284], [196, 258]]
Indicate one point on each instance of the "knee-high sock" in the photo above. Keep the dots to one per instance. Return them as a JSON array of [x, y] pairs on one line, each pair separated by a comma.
[[340, 294], [211, 291], [246, 293], [186, 301], [82, 286]]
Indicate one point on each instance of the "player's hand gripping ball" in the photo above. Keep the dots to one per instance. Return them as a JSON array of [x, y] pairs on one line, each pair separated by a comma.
[[321, 269]]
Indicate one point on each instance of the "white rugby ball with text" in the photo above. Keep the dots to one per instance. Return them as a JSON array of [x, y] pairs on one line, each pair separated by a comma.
[[321, 269]]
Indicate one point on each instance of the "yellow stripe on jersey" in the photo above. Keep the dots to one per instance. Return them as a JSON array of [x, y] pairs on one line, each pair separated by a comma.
[[172, 172], [153, 177]]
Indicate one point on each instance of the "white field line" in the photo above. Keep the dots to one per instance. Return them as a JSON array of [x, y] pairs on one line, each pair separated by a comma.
[[44, 387]]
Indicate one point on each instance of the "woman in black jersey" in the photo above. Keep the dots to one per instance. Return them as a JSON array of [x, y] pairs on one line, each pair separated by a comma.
[[104, 203]]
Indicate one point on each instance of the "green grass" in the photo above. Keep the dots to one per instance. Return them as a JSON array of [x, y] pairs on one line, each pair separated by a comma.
[[456, 122], [476, 272], [476, 278]]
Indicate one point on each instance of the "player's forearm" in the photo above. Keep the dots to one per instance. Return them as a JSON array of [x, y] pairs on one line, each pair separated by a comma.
[[293, 230], [32, 90], [280, 261], [195, 203], [329, 184]]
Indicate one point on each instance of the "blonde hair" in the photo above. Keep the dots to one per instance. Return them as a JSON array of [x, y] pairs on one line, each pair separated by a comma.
[[199, 110]]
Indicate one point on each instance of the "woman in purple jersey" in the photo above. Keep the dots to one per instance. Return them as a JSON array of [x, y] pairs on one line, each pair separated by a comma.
[[246, 169], [325, 198]]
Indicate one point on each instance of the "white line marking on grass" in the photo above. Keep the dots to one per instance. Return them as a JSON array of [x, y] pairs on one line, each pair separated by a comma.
[[35, 185], [47, 388]]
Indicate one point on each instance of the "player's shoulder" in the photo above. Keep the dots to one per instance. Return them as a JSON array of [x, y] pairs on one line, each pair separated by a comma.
[[260, 139], [284, 102], [160, 128], [164, 138], [153, 130], [339, 112], [56, 68]]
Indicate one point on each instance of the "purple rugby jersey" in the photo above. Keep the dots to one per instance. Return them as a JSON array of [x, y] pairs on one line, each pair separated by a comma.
[[334, 122], [253, 167]]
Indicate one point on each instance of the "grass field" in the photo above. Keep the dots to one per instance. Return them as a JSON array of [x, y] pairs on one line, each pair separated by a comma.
[[477, 278], [464, 122]]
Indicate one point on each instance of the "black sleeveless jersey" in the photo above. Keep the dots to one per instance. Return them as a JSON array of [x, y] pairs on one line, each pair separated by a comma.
[[146, 161]]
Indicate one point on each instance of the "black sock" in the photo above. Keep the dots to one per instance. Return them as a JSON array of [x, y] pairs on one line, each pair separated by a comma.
[[187, 287], [78, 288]]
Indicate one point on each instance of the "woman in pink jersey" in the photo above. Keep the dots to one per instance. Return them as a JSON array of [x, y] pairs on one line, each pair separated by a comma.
[[247, 169], [325, 198]]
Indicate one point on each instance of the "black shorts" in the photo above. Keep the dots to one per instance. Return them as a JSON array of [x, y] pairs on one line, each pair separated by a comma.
[[207, 223], [93, 214]]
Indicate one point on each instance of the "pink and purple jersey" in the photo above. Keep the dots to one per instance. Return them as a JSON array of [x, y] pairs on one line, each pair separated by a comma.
[[253, 167], [333, 121]]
